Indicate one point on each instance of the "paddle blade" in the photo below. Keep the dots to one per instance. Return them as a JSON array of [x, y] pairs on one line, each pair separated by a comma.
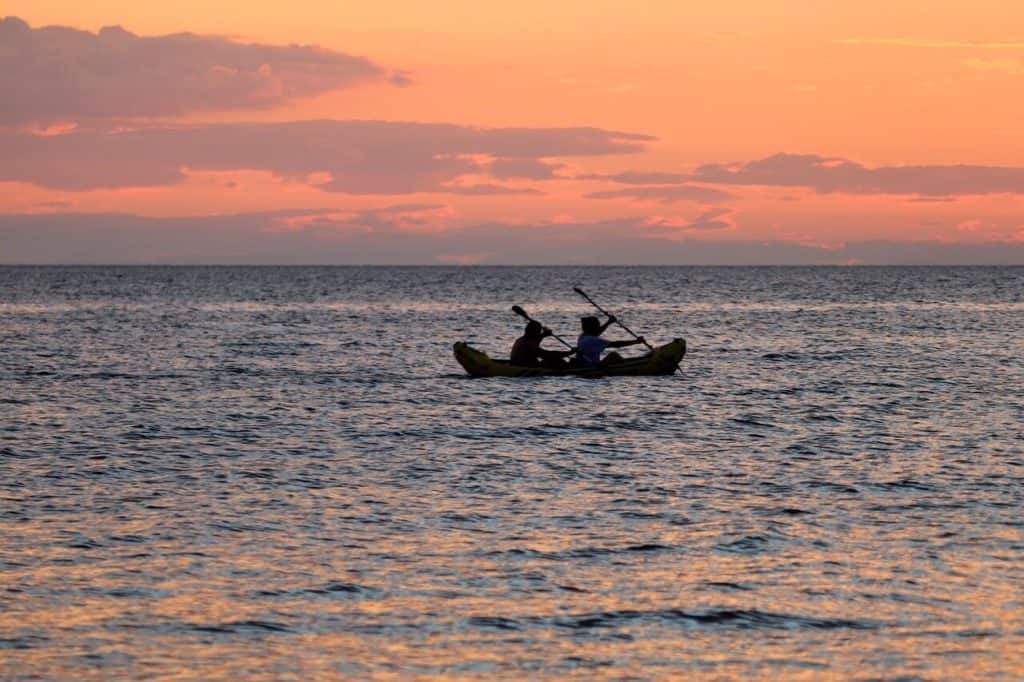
[[579, 291], [520, 312]]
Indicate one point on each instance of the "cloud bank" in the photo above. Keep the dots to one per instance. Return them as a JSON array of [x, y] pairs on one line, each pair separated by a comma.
[[56, 73], [408, 234], [354, 157], [834, 175]]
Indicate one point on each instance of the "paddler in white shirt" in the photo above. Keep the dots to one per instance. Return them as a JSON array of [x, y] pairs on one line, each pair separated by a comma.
[[590, 344]]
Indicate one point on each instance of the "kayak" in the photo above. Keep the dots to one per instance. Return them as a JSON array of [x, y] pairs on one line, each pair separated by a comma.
[[662, 360]]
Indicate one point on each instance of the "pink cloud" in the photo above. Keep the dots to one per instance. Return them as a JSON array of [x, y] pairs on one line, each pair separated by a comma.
[[485, 189], [58, 73], [827, 175], [354, 157], [638, 178], [710, 220], [665, 194], [522, 168], [714, 219]]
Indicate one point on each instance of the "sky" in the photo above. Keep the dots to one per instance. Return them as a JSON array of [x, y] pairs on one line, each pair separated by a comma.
[[597, 131]]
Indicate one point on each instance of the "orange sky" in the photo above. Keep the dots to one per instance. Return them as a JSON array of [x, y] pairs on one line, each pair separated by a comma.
[[883, 85]]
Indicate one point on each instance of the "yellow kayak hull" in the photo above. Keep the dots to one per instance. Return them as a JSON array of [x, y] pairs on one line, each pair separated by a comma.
[[662, 360]]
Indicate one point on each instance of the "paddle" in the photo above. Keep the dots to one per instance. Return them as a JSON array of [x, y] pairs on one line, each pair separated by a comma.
[[522, 313], [608, 314]]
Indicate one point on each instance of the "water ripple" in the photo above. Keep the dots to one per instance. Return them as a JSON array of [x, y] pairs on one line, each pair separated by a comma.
[[280, 473]]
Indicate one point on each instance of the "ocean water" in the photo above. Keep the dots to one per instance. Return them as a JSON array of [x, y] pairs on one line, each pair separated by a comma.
[[282, 474]]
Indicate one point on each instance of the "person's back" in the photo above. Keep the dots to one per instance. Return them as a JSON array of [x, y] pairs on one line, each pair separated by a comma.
[[526, 351], [590, 348]]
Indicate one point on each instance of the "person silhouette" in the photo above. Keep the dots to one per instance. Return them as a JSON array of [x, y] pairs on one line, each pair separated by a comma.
[[526, 351], [590, 344]]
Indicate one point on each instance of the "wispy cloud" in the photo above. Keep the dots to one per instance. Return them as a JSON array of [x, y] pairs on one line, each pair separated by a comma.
[[936, 44], [637, 177], [665, 194], [486, 188], [714, 219], [1010, 66], [523, 168], [58, 73], [709, 221]]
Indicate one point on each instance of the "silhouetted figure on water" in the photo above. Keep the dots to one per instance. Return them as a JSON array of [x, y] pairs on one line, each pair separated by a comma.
[[526, 352], [590, 345]]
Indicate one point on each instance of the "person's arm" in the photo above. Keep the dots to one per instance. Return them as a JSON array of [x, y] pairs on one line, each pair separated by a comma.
[[623, 344], [609, 322], [546, 354]]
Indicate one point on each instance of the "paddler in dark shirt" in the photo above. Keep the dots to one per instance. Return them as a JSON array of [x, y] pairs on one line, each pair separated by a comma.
[[526, 352]]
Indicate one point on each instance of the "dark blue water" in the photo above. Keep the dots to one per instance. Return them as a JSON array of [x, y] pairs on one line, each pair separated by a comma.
[[281, 473]]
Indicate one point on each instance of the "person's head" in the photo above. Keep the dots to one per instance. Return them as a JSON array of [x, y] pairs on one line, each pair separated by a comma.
[[591, 325], [534, 329]]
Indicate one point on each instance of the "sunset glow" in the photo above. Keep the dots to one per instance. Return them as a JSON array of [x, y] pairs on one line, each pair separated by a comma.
[[636, 126]]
